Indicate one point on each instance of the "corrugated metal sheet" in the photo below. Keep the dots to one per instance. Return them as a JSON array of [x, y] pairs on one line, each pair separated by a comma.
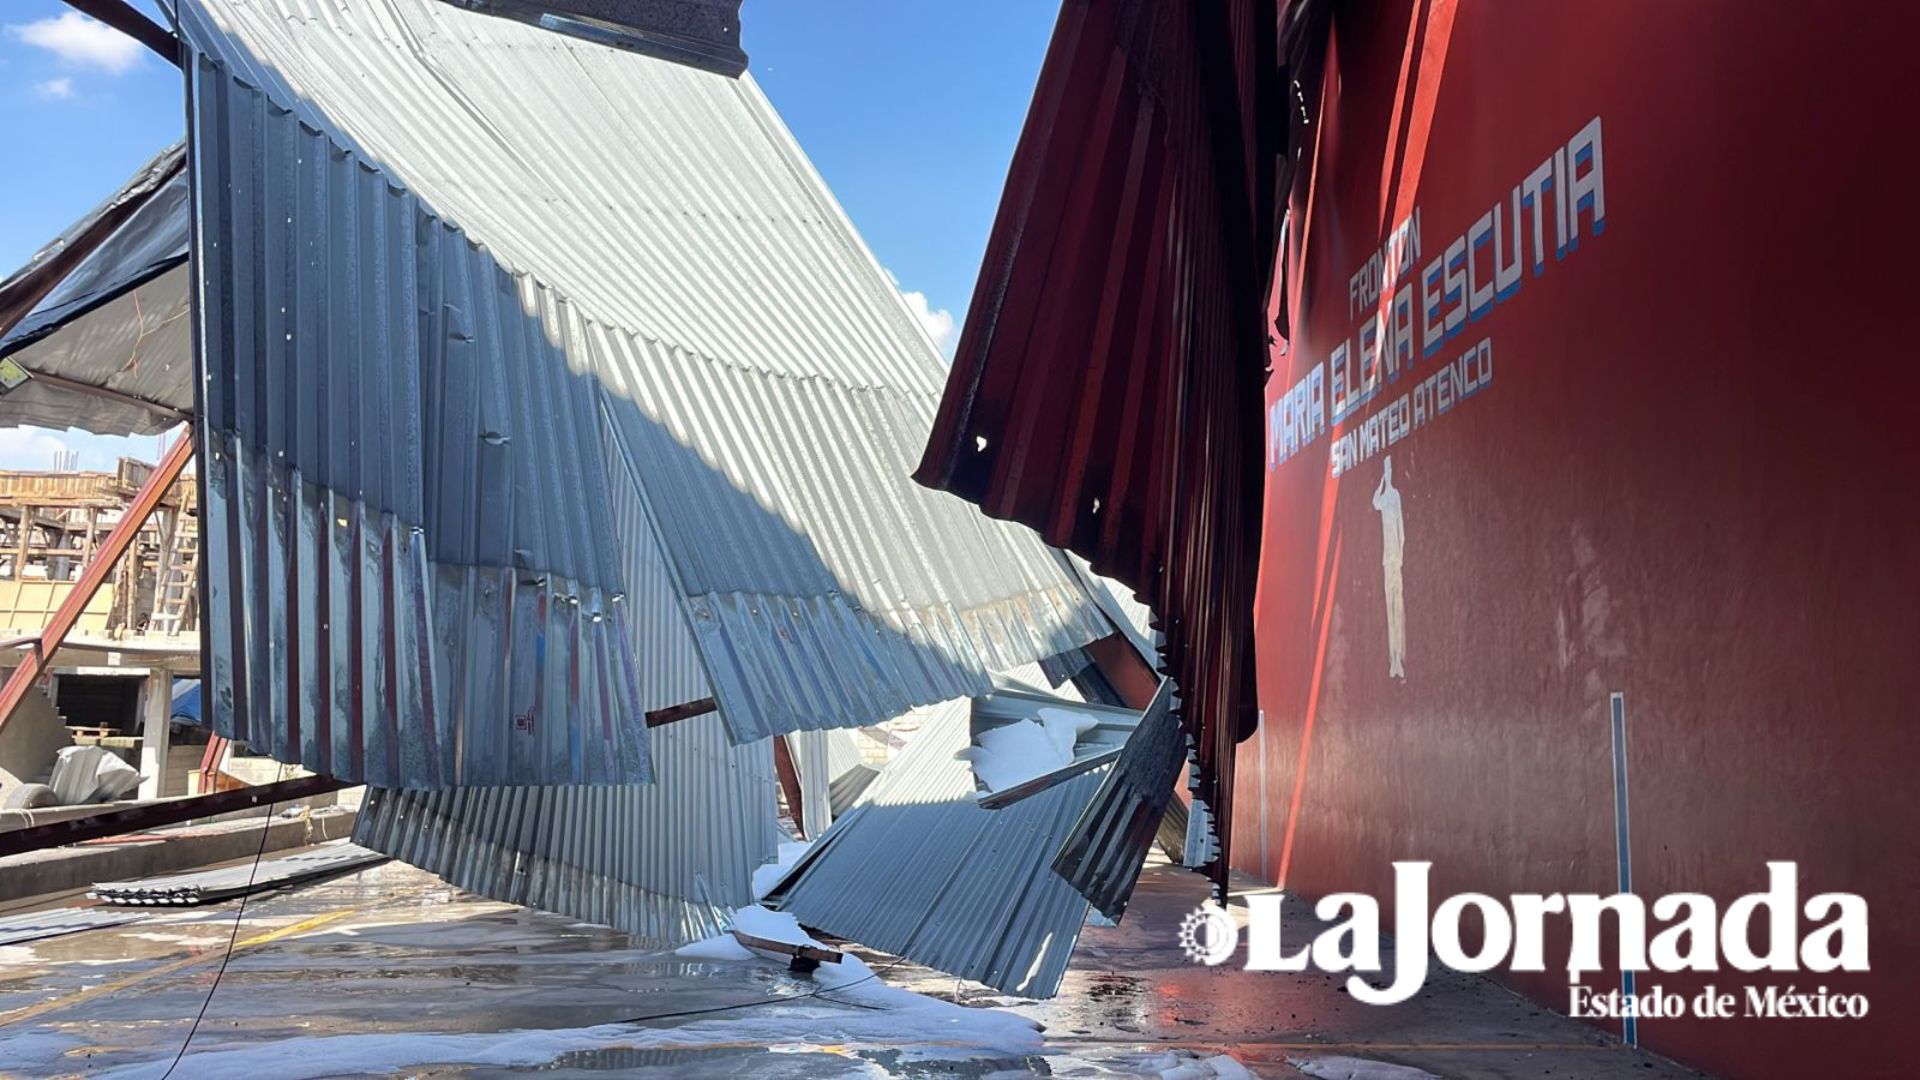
[[663, 861], [918, 869], [38, 925], [832, 774], [703, 33], [1102, 855], [1107, 386], [768, 383], [848, 770], [240, 879], [118, 320], [410, 573]]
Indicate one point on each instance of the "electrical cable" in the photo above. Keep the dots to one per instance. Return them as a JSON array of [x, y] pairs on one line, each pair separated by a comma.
[[818, 992], [266, 827]]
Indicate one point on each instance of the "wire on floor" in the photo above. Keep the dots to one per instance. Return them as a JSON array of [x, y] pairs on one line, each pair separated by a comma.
[[266, 827]]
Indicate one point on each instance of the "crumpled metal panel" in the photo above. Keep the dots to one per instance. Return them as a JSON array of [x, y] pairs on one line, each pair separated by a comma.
[[702, 33], [808, 750], [663, 861], [770, 386], [408, 574], [40, 925], [848, 770], [1102, 854], [842, 593], [918, 869], [118, 320], [1107, 388], [240, 879]]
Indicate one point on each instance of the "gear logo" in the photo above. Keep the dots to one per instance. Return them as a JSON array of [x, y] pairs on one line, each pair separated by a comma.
[[1208, 935]]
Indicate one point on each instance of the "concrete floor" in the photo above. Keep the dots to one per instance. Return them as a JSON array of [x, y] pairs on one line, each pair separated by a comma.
[[389, 969]]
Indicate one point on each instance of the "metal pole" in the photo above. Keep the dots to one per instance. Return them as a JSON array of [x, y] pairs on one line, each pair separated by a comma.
[[39, 655], [165, 812]]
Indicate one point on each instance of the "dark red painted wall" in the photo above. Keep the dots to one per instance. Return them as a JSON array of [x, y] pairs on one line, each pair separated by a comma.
[[1691, 480]]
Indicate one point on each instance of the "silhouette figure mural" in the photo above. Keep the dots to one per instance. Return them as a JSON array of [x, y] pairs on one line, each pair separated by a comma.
[[1393, 550]]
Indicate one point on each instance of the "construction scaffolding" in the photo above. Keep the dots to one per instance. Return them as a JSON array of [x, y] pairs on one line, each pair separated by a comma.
[[53, 523]]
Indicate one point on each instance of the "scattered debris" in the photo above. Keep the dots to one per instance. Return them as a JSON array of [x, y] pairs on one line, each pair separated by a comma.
[[776, 935], [212, 886], [918, 868], [40, 925], [90, 774]]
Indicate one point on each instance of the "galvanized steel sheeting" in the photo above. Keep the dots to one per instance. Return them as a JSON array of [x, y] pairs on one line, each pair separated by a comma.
[[1133, 618], [409, 580], [769, 385], [917, 869], [39, 925], [241, 879], [662, 862], [827, 762], [1102, 855], [834, 590], [664, 201]]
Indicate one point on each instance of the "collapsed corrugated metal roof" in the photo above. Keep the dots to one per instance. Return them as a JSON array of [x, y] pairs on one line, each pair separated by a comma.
[[1102, 854], [650, 239], [848, 773], [108, 346], [832, 775], [1107, 389], [409, 571], [918, 868], [663, 861]]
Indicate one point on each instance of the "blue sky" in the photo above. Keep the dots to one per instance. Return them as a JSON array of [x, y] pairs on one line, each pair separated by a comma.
[[908, 109]]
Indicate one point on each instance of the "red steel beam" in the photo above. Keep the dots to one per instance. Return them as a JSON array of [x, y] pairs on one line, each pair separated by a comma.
[[789, 776], [39, 654]]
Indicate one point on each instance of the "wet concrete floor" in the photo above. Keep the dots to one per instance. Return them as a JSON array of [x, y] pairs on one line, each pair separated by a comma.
[[390, 970]]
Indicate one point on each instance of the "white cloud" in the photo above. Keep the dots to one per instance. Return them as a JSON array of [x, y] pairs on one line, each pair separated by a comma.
[[28, 448], [938, 322], [81, 42], [54, 89], [32, 448]]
